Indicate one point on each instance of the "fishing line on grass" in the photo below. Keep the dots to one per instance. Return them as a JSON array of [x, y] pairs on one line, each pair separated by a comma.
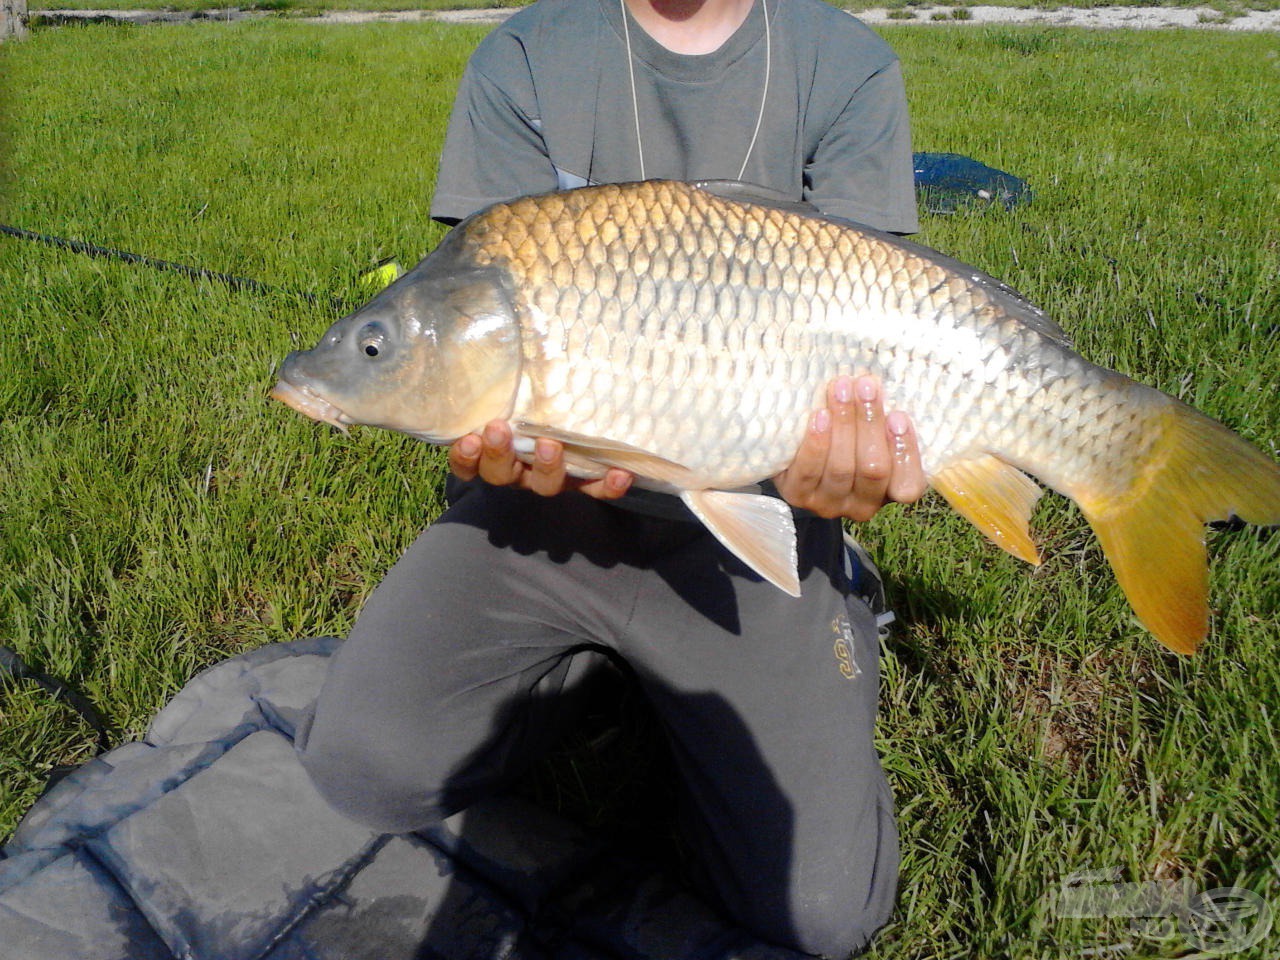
[[14, 667], [194, 273]]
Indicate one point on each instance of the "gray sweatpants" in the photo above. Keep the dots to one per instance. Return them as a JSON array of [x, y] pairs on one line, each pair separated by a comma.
[[454, 679]]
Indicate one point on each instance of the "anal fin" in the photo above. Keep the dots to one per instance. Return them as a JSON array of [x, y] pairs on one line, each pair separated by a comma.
[[996, 498], [758, 530]]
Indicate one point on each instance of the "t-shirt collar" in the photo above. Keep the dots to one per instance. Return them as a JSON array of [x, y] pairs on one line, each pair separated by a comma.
[[688, 68]]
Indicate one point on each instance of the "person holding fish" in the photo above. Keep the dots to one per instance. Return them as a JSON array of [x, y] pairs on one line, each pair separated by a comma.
[[457, 671]]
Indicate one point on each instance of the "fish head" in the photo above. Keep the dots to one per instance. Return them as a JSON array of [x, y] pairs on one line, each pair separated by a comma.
[[435, 355]]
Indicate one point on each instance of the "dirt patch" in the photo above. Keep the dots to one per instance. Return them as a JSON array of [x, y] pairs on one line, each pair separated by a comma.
[[1104, 18]]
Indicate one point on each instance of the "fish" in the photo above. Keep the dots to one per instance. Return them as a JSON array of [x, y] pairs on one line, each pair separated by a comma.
[[686, 332]]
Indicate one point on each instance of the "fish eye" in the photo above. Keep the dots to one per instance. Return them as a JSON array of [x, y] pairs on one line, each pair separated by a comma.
[[372, 339]]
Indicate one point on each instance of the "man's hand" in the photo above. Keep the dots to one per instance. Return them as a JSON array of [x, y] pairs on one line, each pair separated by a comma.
[[854, 458], [491, 456]]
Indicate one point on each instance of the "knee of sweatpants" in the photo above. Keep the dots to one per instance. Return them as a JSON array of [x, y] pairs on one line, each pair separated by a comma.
[[364, 784], [836, 911], [839, 926], [837, 929]]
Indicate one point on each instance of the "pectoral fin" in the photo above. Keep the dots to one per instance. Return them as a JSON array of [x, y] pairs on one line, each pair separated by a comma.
[[588, 450], [996, 498], [757, 529]]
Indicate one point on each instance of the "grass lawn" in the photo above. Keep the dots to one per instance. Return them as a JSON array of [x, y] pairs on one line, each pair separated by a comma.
[[158, 513], [303, 7]]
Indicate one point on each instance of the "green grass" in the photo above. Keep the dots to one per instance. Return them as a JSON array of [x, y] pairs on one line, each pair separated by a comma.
[[158, 513], [302, 7], [286, 7]]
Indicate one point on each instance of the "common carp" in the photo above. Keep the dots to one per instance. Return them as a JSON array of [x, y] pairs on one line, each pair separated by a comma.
[[685, 332]]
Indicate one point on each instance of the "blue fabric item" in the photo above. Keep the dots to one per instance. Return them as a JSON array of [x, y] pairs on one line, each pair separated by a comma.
[[36, 914], [949, 182], [206, 840]]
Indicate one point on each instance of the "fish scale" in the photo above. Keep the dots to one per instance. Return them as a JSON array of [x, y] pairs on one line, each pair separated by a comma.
[[686, 332]]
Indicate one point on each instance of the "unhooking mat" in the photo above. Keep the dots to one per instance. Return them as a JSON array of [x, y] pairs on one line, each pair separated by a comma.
[[207, 841], [949, 182]]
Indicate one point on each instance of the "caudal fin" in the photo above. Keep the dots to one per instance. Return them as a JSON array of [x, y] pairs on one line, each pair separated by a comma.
[[1153, 533]]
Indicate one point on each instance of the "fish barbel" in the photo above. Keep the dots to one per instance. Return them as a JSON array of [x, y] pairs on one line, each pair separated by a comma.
[[685, 332]]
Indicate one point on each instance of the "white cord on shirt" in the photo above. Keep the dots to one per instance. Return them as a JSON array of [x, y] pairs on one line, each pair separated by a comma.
[[764, 94], [635, 103], [631, 71]]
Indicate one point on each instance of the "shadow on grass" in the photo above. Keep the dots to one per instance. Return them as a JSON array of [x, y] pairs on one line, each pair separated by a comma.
[[927, 609]]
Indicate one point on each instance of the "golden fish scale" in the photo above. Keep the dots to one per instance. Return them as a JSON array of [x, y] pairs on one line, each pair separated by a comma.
[[644, 305]]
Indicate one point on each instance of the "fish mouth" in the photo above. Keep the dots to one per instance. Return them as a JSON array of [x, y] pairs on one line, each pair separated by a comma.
[[309, 404]]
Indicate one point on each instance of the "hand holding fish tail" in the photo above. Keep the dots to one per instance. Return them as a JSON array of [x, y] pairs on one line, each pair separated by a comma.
[[491, 456], [854, 459]]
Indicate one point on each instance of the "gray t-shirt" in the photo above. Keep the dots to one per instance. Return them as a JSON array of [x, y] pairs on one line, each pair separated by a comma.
[[546, 103]]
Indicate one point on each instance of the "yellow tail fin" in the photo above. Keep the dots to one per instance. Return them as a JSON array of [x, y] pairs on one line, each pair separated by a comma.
[[1153, 533]]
